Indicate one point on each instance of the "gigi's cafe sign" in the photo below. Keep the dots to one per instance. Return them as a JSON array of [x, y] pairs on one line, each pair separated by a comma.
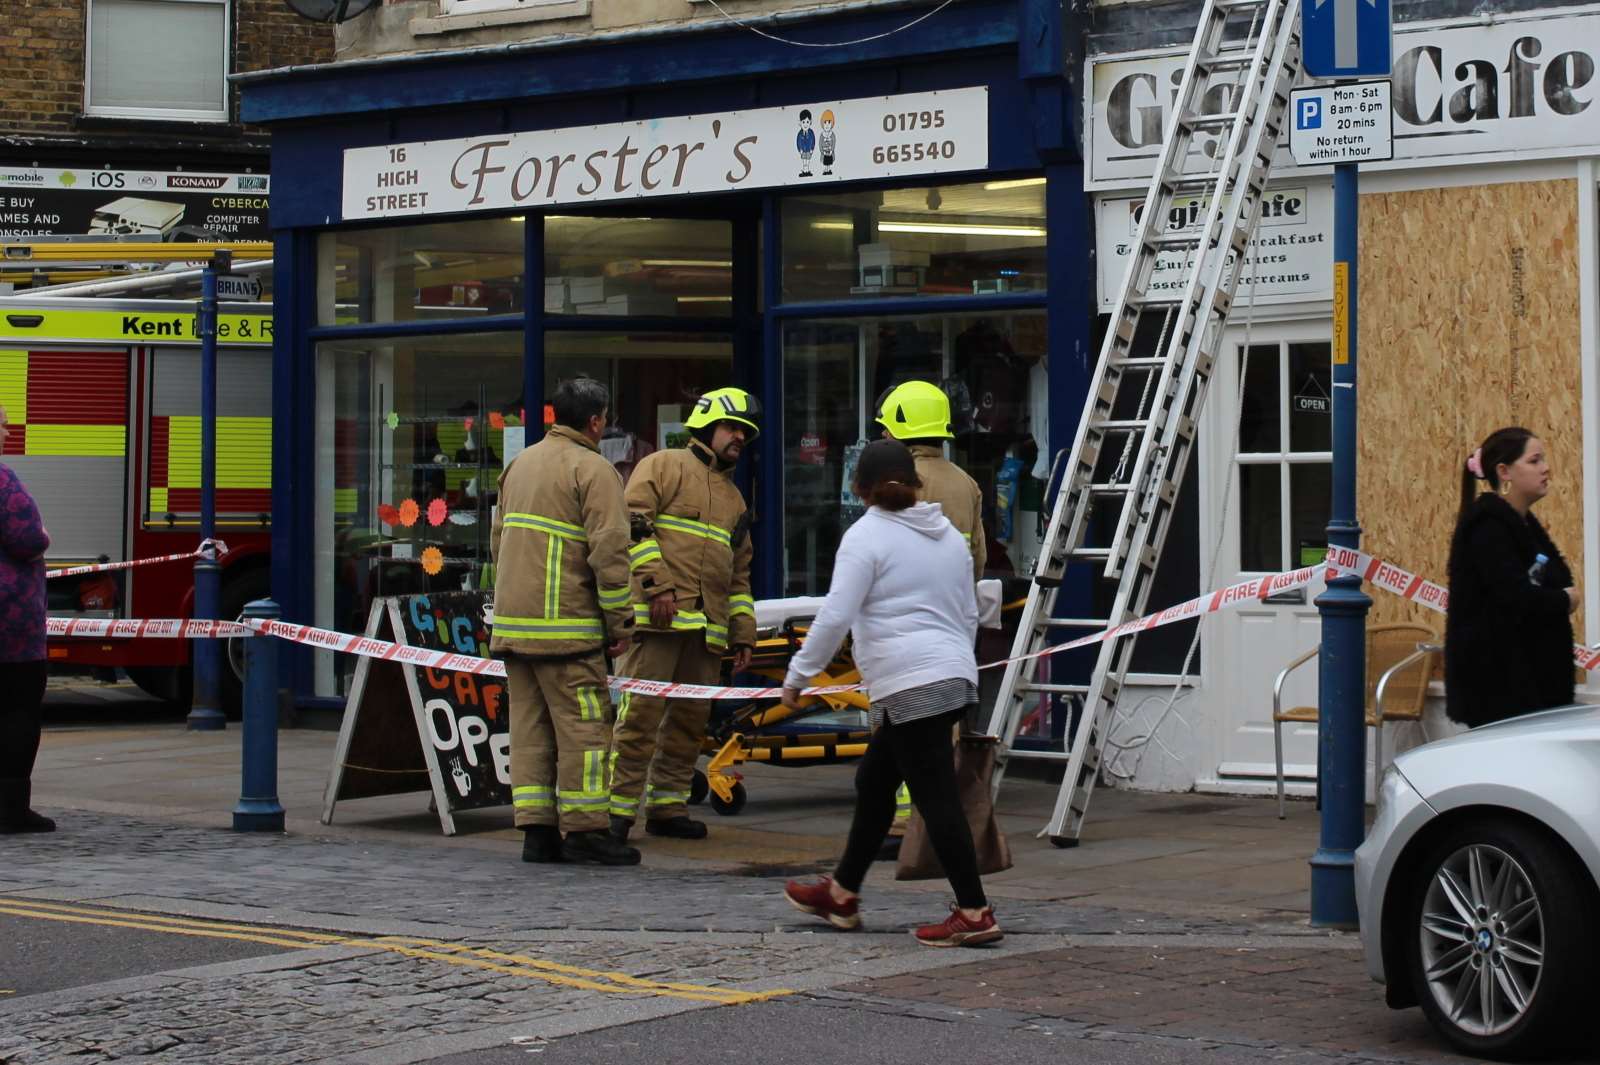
[[806, 144], [1520, 84]]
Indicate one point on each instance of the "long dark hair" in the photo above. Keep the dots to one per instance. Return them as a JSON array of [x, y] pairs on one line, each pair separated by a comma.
[[1502, 446]]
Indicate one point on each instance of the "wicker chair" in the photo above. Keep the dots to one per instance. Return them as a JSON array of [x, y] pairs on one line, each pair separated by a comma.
[[1400, 659]]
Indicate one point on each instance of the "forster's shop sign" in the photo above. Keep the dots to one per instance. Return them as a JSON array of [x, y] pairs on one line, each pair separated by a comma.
[[1290, 257], [809, 144], [1524, 84], [157, 205]]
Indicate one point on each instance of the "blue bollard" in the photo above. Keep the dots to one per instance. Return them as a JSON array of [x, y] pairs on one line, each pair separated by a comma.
[[259, 809]]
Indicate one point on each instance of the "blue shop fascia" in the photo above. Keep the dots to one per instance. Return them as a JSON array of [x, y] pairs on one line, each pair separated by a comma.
[[669, 210]]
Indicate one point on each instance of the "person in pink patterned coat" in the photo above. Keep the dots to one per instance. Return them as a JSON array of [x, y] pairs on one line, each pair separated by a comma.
[[23, 541]]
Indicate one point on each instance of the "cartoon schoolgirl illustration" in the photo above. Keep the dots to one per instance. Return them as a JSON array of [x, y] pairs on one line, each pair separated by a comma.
[[830, 141], [805, 143]]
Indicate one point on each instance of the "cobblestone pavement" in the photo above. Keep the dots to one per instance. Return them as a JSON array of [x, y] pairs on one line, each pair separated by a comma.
[[394, 952]]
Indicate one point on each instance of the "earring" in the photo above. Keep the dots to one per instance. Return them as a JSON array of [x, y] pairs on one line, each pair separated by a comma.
[[1505, 488]]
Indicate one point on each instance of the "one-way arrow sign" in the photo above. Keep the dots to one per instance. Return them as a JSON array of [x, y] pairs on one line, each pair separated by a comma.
[[1347, 38]]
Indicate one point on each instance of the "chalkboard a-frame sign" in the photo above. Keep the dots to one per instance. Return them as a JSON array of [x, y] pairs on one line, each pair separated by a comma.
[[408, 729]]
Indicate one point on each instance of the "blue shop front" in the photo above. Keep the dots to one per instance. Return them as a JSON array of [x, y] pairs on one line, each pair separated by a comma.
[[457, 232]]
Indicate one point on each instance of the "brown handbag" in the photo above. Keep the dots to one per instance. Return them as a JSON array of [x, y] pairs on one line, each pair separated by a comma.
[[975, 756]]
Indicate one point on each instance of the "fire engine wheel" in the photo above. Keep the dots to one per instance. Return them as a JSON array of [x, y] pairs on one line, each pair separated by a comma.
[[728, 809], [246, 588], [699, 787]]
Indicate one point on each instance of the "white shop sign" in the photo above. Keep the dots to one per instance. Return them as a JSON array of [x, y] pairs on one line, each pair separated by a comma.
[[1291, 256], [1463, 92], [807, 144]]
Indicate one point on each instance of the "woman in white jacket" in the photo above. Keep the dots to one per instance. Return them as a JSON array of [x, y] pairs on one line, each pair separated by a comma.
[[902, 586]]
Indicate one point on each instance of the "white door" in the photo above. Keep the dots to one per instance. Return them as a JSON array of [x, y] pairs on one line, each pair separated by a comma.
[[1273, 499]]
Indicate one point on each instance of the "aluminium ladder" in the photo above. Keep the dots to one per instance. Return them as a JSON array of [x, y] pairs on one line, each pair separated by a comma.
[[1133, 443]]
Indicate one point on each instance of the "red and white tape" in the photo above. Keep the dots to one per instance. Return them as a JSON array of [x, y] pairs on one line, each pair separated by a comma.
[[1340, 560], [106, 567]]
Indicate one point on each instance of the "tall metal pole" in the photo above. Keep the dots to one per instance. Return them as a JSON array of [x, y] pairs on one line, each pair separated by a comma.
[[205, 709], [1342, 665]]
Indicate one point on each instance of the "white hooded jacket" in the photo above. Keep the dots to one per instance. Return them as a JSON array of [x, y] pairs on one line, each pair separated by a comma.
[[902, 587]]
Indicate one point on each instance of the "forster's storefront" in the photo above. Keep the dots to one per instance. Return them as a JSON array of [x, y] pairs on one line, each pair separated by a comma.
[[458, 232]]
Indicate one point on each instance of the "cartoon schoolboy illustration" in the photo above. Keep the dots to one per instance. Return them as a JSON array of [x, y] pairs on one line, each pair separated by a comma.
[[830, 141], [805, 142]]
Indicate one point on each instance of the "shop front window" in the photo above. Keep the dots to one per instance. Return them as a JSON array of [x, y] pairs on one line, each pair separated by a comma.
[[941, 240], [991, 366], [654, 380], [443, 270], [412, 436], [651, 267]]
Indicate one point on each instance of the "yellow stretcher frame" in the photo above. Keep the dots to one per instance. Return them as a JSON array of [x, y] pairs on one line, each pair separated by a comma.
[[741, 740], [733, 745]]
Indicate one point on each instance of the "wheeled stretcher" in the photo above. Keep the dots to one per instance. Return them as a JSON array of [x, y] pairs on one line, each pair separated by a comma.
[[825, 730]]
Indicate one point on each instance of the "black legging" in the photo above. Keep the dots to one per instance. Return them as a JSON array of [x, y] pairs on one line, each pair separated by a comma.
[[21, 691], [918, 753]]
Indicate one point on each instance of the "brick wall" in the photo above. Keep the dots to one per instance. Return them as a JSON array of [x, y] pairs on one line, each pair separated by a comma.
[[42, 57]]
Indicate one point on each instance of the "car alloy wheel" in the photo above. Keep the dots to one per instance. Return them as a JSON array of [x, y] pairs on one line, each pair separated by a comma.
[[1483, 937]]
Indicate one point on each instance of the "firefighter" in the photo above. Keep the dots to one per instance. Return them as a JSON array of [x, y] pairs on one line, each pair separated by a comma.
[[560, 545], [691, 581], [917, 413]]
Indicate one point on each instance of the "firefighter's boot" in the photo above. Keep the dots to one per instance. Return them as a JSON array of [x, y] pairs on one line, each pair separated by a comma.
[[676, 828], [598, 847], [541, 843], [620, 827]]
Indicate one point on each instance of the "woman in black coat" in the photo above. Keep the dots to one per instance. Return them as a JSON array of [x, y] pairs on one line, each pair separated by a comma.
[[1508, 635]]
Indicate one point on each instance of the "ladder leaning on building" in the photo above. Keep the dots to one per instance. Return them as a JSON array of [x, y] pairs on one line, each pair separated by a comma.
[[1138, 428]]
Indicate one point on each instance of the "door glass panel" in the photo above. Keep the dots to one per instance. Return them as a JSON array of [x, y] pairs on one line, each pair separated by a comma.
[[1259, 419], [1310, 505], [1260, 519], [1310, 397]]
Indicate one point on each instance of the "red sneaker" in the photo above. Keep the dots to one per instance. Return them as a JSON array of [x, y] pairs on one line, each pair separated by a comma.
[[816, 899], [958, 930]]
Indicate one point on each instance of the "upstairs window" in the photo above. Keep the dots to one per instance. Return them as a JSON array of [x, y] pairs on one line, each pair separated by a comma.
[[158, 59]]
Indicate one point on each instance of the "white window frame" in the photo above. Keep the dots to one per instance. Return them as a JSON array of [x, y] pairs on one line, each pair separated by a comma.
[[169, 114], [484, 7]]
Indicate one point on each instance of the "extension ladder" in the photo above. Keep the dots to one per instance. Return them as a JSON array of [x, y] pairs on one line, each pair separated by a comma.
[[1139, 424]]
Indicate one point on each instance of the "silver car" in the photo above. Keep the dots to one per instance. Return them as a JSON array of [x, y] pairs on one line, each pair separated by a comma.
[[1477, 884]]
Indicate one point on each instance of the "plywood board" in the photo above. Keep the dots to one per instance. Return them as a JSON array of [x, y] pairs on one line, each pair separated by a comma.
[[1468, 322]]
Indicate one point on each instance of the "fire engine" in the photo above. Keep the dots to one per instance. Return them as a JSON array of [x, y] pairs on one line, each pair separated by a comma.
[[103, 397]]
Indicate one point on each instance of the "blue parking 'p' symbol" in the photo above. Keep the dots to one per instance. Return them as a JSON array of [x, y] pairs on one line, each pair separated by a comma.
[[1309, 115]]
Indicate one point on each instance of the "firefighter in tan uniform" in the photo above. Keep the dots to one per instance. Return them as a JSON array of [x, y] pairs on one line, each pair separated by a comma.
[[691, 572], [561, 598], [917, 413]]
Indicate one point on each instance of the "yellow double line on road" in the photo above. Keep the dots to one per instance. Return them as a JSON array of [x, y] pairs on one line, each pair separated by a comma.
[[460, 954]]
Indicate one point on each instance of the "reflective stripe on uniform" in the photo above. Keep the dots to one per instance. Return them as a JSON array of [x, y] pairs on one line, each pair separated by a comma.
[[591, 707], [552, 577], [741, 604], [695, 528], [654, 796], [540, 523], [547, 628], [684, 621], [532, 796], [622, 806], [902, 800], [643, 553], [614, 598]]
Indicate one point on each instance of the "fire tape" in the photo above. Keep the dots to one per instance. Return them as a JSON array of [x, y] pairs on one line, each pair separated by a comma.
[[1375, 571], [106, 567]]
